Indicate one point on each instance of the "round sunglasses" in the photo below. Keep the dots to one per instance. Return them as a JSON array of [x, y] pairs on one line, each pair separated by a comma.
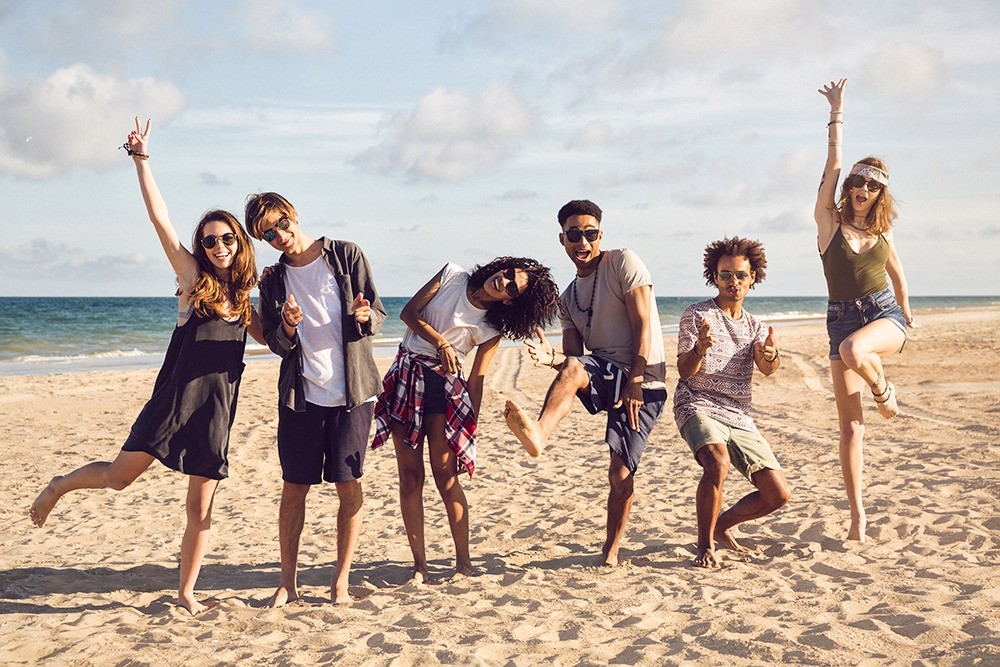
[[859, 181], [208, 242], [271, 234]]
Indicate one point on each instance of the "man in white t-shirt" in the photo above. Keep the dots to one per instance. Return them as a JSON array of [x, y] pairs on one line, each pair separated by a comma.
[[319, 310], [610, 310], [718, 345]]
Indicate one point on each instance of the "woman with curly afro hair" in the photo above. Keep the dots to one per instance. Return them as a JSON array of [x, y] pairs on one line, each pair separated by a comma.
[[425, 392]]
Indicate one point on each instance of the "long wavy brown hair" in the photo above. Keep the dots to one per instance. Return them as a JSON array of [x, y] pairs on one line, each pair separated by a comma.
[[881, 215], [212, 297]]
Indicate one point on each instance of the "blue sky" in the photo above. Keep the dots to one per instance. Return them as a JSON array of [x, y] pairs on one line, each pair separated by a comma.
[[442, 131]]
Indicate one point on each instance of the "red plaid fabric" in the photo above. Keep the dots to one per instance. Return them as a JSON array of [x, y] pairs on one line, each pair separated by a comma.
[[402, 401]]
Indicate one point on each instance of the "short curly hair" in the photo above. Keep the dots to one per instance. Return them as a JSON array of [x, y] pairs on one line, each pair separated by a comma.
[[735, 246], [536, 307], [578, 207]]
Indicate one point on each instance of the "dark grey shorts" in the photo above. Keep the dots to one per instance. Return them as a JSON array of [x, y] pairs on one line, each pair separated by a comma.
[[606, 382], [323, 443]]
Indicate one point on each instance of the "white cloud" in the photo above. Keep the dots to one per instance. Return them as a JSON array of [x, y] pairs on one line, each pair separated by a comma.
[[75, 117], [906, 70], [451, 135], [41, 257], [709, 28], [519, 193], [594, 134], [533, 16], [281, 26], [723, 196], [601, 181]]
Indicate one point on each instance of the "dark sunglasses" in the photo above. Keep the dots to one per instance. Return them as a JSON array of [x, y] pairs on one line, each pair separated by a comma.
[[511, 288], [726, 276], [574, 235], [859, 181], [208, 242], [270, 234]]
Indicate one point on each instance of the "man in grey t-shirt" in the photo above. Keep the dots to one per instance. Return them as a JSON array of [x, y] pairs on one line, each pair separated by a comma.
[[610, 310], [718, 345]]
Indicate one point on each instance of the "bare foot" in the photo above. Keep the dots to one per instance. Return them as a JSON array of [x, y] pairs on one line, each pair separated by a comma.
[[727, 540], [340, 594], [281, 597], [857, 529], [524, 428], [44, 503], [464, 570], [706, 558], [609, 557], [886, 401], [193, 607], [420, 575]]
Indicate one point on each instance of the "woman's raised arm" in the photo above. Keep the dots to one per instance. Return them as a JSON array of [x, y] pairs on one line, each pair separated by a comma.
[[181, 260], [826, 199]]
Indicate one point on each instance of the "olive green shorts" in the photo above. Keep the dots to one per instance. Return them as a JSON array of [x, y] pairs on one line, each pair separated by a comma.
[[748, 450]]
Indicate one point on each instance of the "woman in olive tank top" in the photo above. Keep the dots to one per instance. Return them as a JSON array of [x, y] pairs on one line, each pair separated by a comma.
[[866, 319], [186, 422]]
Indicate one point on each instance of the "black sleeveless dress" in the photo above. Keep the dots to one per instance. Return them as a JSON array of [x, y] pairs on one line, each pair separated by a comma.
[[186, 422]]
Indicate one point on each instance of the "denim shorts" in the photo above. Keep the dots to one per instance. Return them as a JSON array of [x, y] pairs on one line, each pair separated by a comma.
[[845, 317]]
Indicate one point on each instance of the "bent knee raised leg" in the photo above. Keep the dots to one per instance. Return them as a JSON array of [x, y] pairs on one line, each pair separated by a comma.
[[573, 373]]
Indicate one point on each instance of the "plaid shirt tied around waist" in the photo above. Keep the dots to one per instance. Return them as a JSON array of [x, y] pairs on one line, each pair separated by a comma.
[[402, 401]]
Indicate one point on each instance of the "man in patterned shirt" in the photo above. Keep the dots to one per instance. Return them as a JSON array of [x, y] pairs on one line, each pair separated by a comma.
[[718, 345]]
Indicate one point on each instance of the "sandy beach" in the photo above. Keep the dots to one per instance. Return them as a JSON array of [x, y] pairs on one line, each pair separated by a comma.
[[97, 584]]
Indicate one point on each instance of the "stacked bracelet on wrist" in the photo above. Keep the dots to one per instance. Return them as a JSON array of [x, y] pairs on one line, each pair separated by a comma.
[[141, 156], [442, 346], [696, 353]]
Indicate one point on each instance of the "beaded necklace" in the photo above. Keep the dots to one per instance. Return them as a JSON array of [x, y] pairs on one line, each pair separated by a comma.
[[593, 291]]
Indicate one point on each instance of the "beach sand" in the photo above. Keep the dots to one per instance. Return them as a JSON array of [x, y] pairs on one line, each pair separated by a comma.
[[97, 584]]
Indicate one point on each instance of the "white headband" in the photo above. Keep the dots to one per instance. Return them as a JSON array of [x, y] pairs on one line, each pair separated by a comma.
[[872, 172]]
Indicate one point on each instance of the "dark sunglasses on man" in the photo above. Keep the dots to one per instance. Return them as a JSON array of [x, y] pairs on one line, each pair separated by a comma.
[[270, 234], [208, 242], [574, 235], [859, 181]]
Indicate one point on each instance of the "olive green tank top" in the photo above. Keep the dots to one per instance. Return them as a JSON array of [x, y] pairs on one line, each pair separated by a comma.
[[852, 275]]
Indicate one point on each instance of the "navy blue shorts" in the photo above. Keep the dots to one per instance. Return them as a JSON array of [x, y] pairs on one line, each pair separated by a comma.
[[845, 317], [323, 443], [435, 401], [606, 383]]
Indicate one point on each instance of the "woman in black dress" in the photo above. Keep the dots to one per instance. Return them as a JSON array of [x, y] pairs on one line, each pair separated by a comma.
[[185, 424]]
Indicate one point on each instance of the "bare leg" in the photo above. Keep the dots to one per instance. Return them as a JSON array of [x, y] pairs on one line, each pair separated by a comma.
[[410, 464], [200, 499], [862, 352], [772, 492], [571, 378], [291, 518], [443, 466], [622, 483], [352, 499], [714, 460], [847, 388], [116, 475]]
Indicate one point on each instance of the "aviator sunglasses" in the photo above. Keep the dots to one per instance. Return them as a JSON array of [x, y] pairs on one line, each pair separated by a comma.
[[511, 288], [726, 276], [859, 181], [270, 234], [208, 242], [574, 235]]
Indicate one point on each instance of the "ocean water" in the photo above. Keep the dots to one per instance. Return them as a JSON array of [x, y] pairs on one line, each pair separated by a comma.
[[63, 334]]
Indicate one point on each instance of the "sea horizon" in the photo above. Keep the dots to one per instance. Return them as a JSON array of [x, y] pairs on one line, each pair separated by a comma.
[[41, 335]]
